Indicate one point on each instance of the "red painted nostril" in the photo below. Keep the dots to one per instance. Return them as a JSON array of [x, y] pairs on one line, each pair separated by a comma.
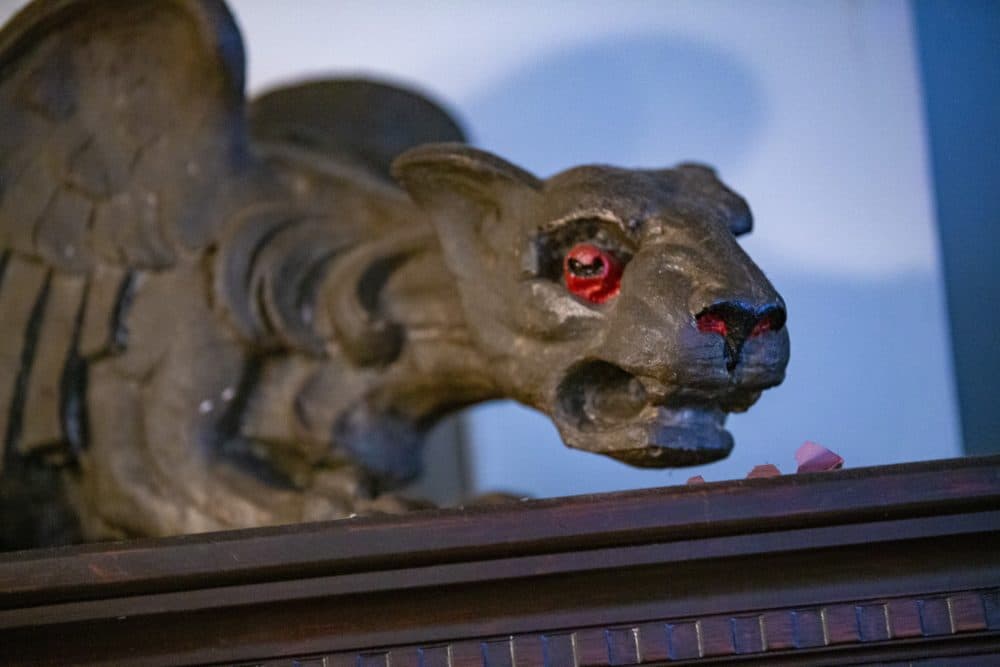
[[712, 323], [736, 322], [763, 325], [771, 320]]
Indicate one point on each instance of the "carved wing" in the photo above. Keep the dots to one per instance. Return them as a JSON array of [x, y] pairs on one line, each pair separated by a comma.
[[363, 122], [121, 139], [273, 259]]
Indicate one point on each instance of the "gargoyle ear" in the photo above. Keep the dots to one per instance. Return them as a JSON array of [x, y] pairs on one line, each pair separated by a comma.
[[435, 173], [734, 207]]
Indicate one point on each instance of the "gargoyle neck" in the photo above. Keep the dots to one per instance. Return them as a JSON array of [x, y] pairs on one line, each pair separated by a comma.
[[439, 367]]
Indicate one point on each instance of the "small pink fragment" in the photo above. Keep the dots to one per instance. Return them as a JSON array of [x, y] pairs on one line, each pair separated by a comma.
[[812, 457], [697, 479], [765, 470]]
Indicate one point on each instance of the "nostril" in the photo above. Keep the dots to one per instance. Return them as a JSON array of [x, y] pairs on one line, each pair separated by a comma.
[[771, 318], [763, 325], [728, 319], [736, 322], [712, 323]]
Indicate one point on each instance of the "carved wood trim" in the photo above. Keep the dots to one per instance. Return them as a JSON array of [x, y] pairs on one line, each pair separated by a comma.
[[780, 633], [897, 563]]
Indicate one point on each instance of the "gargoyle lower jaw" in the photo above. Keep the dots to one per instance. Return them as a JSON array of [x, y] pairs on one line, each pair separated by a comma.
[[660, 438], [602, 408], [682, 437]]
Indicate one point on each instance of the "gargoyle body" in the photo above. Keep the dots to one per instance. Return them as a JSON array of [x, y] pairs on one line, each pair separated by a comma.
[[217, 315]]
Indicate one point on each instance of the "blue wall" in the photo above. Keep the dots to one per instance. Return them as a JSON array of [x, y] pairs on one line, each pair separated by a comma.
[[960, 62]]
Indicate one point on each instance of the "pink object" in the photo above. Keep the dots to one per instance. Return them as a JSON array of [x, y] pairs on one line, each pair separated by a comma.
[[812, 457], [765, 470], [697, 479]]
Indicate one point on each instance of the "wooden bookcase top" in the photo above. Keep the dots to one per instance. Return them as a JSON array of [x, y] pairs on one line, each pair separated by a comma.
[[891, 563]]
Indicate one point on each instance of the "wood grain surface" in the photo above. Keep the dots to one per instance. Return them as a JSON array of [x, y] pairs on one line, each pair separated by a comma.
[[895, 563]]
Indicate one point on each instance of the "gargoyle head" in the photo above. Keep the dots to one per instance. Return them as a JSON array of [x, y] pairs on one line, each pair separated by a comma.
[[616, 301]]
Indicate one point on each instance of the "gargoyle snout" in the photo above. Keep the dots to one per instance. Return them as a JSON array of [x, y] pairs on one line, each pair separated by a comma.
[[736, 322]]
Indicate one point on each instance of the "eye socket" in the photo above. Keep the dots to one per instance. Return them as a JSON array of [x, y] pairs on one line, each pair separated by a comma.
[[592, 273], [586, 255]]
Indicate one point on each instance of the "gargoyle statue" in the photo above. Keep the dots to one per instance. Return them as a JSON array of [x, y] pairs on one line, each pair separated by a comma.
[[217, 315]]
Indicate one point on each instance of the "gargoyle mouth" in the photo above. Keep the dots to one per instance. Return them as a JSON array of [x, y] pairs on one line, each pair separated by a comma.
[[606, 410]]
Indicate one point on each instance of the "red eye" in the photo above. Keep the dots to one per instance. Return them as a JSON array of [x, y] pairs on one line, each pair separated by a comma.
[[591, 273]]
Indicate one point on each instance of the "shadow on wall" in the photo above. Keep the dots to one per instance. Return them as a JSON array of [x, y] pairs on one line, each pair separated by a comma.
[[635, 100]]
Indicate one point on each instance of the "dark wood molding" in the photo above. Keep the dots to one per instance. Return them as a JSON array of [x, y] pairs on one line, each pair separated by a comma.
[[895, 563]]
